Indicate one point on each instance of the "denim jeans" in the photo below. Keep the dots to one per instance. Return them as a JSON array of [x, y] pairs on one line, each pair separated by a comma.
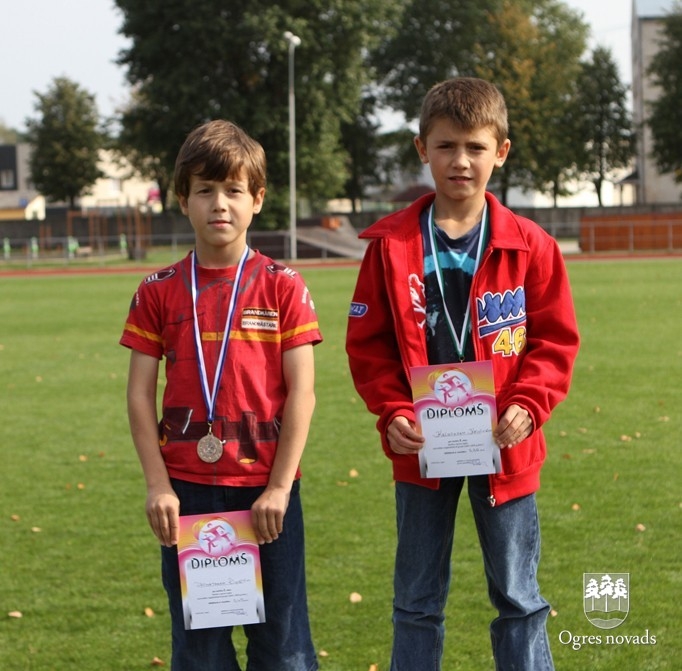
[[509, 536], [283, 642]]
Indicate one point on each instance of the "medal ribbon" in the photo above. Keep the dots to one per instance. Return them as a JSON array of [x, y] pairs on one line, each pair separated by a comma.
[[210, 395], [459, 341]]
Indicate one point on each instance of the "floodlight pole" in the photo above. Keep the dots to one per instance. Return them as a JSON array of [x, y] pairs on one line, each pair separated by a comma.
[[293, 41]]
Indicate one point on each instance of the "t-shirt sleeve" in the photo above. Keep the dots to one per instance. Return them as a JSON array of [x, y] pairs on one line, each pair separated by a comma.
[[299, 324], [142, 331]]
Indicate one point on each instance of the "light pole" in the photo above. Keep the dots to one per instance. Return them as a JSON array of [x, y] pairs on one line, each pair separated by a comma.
[[293, 41]]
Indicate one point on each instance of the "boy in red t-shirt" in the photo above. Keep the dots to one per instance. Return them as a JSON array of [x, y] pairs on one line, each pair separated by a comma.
[[237, 331]]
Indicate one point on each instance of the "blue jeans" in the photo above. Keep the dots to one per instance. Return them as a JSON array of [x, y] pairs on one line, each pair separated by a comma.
[[283, 642], [510, 541]]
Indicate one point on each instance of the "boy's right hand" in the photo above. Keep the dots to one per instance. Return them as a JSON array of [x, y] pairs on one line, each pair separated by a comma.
[[163, 513], [402, 437]]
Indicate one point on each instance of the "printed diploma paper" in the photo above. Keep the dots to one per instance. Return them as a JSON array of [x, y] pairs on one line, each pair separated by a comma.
[[220, 572], [456, 413]]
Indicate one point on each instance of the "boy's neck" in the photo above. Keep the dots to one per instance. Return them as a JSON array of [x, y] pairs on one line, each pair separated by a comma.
[[219, 257], [457, 218]]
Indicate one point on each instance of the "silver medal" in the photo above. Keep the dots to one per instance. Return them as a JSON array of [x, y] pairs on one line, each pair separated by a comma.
[[210, 448]]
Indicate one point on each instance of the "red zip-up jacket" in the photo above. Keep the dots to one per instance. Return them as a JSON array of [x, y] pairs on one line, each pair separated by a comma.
[[523, 320]]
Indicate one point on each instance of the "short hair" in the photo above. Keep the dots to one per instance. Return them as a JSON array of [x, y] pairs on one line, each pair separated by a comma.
[[219, 150], [468, 102]]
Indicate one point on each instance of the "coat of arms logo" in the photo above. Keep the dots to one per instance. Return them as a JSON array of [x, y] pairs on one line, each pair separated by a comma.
[[606, 598]]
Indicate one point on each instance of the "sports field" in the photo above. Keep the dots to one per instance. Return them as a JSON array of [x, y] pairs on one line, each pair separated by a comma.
[[79, 573]]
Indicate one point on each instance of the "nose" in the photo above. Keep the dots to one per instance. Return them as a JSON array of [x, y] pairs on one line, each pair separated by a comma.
[[460, 159], [220, 201]]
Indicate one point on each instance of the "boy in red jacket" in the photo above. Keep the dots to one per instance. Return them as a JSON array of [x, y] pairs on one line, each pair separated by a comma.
[[458, 277]]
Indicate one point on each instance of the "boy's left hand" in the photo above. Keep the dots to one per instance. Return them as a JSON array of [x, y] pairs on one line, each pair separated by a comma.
[[267, 514], [514, 426]]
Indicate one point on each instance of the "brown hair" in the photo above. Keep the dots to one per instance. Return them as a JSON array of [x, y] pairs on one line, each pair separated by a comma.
[[468, 102], [218, 150]]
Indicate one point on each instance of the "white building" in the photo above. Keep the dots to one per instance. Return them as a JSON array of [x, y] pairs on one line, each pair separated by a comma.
[[116, 189], [651, 185]]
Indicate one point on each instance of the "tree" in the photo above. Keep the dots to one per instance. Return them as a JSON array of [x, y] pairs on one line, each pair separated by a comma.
[[65, 142], [432, 40], [666, 73], [529, 49], [360, 139], [604, 124], [231, 60]]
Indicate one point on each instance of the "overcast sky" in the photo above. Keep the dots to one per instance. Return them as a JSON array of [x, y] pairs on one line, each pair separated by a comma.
[[78, 39]]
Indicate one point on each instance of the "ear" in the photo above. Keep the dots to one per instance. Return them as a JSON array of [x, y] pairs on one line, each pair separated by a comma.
[[421, 150], [502, 153], [258, 200], [182, 201]]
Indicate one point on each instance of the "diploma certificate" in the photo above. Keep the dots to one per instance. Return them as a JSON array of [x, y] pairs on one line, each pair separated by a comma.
[[456, 413], [220, 573]]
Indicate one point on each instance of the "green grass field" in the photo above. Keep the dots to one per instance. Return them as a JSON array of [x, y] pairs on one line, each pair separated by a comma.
[[79, 564]]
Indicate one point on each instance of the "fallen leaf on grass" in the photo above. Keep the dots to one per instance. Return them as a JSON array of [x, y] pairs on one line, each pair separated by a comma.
[[149, 612], [566, 456], [615, 477], [373, 667], [597, 408], [553, 613], [15, 613], [353, 473], [665, 418], [39, 378], [626, 439], [341, 483], [36, 530], [83, 457], [158, 662], [575, 506], [323, 653], [355, 597], [640, 527], [15, 518], [589, 451], [582, 429], [81, 485]]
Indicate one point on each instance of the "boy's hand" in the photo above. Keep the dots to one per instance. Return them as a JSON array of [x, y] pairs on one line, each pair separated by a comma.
[[163, 513], [267, 514], [514, 426], [402, 438]]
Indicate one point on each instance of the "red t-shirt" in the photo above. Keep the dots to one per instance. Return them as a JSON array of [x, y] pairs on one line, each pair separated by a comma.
[[273, 313]]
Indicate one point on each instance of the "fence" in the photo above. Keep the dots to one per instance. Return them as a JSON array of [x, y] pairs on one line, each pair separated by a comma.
[[102, 250], [636, 233]]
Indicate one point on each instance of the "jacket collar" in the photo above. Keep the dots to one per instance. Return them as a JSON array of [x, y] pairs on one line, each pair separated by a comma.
[[505, 228]]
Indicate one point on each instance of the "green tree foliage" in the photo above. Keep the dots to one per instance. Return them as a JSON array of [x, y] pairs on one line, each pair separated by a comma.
[[65, 142], [230, 60], [530, 49], [603, 121], [664, 119], [432, 40]]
